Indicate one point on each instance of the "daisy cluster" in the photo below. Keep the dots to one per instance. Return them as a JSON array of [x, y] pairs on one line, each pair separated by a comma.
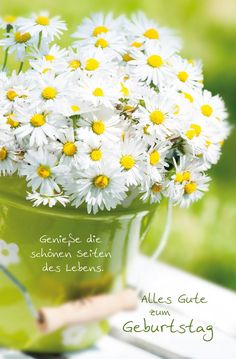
[[117, 115]]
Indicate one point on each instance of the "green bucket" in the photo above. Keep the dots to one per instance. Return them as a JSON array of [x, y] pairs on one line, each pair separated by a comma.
[[48, 277]]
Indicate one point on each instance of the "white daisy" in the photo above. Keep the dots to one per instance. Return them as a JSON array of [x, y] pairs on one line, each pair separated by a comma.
[[111, 44], [11, 119], [41, 170], [98, 24], [188, 184], [8, 159], [188, 74], [16, 92], [8, 22], [209, 106], [69, 147], [130, 89], [157, 116], [143, 30], [184, 102], [153, 65], [72, 336], [73, 59], [17, 42], [45, 200], [99, 90], [52, 92], [95, 151], [211, 154], [94, 60], [195, 135], [155, 160], [131, 161], [54, 59], [151, 190], [194, 189], [42, 23], [100, 187], [38, 126], [54, 53], [8, 253], [102, 124]]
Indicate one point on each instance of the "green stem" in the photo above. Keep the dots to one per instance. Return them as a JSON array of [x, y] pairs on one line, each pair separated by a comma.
[[21, 67], [5, 59], [22, 289], [40, 40]]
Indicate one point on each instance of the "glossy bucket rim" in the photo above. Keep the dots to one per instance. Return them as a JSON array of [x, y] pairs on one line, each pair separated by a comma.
[[16, 198]]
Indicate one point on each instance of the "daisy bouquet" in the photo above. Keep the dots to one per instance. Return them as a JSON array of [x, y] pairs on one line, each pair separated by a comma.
[[117, 115]]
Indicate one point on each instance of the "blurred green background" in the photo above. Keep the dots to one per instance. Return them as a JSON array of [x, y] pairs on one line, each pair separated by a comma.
[[203, 238]]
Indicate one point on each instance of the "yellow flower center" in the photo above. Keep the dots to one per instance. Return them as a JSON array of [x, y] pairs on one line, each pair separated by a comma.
[[38, 120], [42, 20], [124, 90], [91, 64], [74, 64], [99, 30], [49, 57], [11, 95], [3, 154], [22, 38], [69, 149], [75, 108], [208, 143], [127, 57], [179, 177], [186, 176], [183, 76], [189, 188], [136, 44], [11, 121], [182, 176], [145, 130], [98, 92], [98, 127], [154, 61], [156, 188], [101, 181], [195, 131], [154, 158], [190, 134], [151, 34], [44, 171], [9, 19], [206, 110], [157, 117], [176, 110], [49, 93], [102, 43], [188, 96], [127, 162], [96, 154]]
